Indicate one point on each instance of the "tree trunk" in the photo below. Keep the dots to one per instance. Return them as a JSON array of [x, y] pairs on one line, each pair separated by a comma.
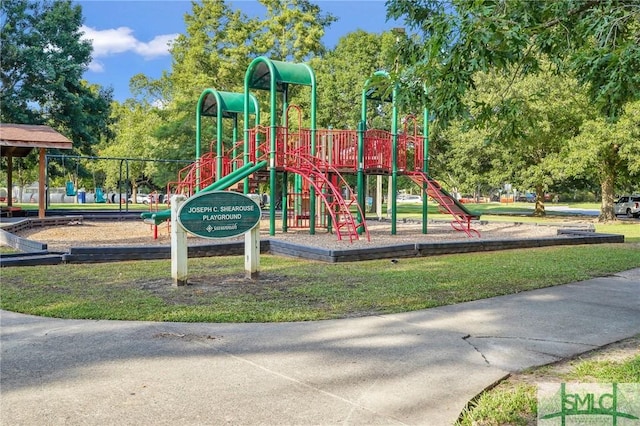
[[539, 210], [606, 209]]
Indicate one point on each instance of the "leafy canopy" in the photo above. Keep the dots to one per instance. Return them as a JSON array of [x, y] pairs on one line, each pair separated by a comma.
[[43, 59], [342, 73], [599, 40]]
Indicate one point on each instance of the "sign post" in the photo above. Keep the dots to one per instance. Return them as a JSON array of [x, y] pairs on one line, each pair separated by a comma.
[[219, 214], [178, 244], [252, 252]]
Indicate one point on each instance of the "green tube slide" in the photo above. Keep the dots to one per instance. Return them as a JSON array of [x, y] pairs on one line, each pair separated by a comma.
[[232, 178]]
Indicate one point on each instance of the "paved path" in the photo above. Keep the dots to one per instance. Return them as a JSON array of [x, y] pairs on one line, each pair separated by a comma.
[[413, 368], [571, 210]]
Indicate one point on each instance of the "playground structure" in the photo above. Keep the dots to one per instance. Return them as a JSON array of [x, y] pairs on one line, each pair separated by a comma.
[[305, 167]]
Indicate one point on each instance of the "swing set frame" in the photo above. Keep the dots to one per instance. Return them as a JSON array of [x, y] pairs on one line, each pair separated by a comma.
[[124, 175]]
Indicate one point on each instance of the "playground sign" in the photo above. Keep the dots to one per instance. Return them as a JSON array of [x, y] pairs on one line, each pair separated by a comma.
[[219, 214]]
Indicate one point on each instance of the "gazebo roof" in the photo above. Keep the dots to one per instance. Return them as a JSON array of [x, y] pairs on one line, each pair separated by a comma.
[[17, 140]]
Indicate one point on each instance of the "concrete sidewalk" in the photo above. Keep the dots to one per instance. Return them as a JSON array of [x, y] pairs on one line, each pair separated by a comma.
[[413, 368]]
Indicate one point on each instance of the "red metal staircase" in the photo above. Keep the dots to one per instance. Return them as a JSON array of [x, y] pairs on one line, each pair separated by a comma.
[[318, 173], [446, 203]]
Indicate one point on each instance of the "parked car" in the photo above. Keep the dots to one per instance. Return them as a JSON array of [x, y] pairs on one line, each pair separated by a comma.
[[527, 197], [628, 205], [140, 199], [407, 198], [149, 198]]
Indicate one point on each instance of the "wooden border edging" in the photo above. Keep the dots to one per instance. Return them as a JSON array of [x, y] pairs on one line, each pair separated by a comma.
[[35, 222], [8, 231], [125, 253], [22, 244], [30, 259]]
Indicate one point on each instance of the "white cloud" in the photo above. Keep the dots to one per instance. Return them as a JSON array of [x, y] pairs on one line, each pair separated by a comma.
[[96, 66], [159, 46], [119, 40]]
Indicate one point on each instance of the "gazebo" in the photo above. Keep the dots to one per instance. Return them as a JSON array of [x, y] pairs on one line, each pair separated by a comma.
[[17, 140]]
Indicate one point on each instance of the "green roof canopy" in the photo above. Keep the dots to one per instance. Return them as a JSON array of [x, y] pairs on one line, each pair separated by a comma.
[[259, 74], [214, 103]]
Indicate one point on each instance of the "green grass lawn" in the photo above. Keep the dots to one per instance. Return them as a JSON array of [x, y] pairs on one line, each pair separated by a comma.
[[294, 290], [297, 290], [8, 250], [630, 230]]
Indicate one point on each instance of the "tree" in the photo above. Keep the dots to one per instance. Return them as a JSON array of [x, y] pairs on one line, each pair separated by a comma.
[[630, 150], [342, 73], [215, 52], [132, 122], [551, 110], [609, 152], [292, 30], [43, 59], [455, 42], [596, 40], [464, 159]]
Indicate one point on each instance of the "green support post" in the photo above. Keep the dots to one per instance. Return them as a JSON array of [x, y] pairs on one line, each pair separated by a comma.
[[425, 168], [394, 160], [198, 144], [219, 141], [284, 195], [312, 195], [360, 165], [234, 140]]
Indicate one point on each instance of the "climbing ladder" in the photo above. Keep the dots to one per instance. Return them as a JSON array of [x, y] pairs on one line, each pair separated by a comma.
[[447, 204]]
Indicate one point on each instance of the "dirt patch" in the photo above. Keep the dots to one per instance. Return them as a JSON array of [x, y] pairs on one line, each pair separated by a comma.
[[201, 288]]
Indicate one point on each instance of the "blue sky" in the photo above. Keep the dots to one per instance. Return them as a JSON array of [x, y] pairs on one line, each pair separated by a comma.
[[131, 37]]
